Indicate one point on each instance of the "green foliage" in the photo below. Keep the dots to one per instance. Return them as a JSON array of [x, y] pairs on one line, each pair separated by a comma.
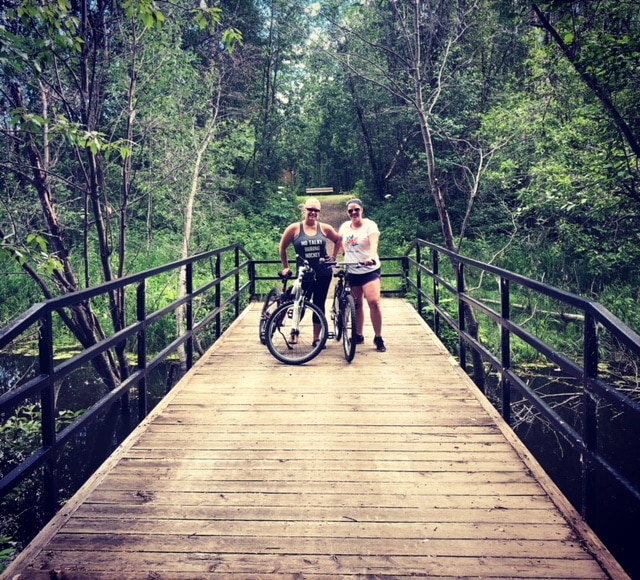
[[555, 176], [144, 10], [20, 436], [262, 227], [56, 28], [35, 251], [8, 551]]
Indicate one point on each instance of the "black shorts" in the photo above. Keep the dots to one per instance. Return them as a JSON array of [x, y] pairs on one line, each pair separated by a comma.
[[356, 280]]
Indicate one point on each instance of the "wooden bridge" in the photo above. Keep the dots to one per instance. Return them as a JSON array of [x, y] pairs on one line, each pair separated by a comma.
[[393, 466]]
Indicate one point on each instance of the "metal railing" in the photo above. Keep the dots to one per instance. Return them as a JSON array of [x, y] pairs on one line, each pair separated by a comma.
[[595, 320], [225, 264]]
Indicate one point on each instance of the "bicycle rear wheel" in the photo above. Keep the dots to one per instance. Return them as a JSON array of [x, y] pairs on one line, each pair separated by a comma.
[[292, 343], [268, 308], [349, 327]]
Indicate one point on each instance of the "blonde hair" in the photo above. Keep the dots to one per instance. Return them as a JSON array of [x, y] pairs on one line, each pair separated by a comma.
[[313, 201], [310, 201]]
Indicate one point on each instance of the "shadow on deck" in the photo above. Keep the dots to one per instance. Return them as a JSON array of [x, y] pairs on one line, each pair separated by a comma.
[[393, 466]]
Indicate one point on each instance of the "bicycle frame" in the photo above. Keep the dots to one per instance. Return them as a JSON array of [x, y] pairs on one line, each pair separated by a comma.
[[298, 299]]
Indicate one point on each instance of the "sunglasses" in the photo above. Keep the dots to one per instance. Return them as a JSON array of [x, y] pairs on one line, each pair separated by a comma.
[[354, 210], [313, 209]]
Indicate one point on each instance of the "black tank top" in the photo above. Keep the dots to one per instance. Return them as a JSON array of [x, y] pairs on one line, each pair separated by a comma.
[[312, 248]]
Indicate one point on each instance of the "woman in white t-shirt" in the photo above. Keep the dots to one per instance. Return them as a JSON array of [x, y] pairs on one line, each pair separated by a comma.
[[360, 238]]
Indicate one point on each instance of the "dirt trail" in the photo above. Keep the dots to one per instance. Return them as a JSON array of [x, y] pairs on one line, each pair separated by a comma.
[[334, 213], [334, 210]]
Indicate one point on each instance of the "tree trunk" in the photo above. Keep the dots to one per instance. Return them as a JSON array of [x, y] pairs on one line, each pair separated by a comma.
[[201, 150]]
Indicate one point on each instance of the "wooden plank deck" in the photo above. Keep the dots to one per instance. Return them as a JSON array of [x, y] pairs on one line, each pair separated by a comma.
[[389, 467]]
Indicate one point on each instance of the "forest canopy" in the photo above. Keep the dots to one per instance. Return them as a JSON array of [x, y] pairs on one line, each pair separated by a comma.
[[136, 132]]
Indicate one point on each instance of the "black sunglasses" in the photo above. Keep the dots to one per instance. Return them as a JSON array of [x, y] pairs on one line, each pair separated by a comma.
[[314, 209], [353, 210]]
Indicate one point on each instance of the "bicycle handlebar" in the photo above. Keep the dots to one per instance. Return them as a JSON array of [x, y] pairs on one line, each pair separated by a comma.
[[305, 266], [333, 264]]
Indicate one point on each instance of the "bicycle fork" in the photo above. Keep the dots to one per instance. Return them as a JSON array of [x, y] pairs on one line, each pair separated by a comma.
[[295, 325]]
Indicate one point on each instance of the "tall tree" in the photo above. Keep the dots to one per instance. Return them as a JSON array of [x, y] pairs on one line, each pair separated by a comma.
[[569, 173], [78, 105], [283, 34], [56, 71], [419, 52]]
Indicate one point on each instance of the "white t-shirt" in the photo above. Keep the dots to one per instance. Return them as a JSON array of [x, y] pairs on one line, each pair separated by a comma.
[[357, 245]]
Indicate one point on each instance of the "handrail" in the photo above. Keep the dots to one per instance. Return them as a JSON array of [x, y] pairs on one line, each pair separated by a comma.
[[39, 318], [596, 318]]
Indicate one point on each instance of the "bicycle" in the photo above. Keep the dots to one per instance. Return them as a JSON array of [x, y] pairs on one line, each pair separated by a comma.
[[275, 298], [343, 312], [289, 329]]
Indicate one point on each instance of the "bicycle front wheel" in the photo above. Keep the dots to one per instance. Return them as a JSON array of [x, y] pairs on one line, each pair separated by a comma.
[[291, 341], [268, 308], [349, 327], [336, 317]]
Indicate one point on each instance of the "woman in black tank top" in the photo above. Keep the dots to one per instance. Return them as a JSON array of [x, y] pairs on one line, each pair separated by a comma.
[[309, 239]]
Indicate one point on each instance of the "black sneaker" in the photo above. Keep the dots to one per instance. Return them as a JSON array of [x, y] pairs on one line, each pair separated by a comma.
[[380, 347], [359, 339]]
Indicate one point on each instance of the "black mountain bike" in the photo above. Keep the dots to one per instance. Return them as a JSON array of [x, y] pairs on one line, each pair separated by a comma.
[[289, 328], [343, 311]]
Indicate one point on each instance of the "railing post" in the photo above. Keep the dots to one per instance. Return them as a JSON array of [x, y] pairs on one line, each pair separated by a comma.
[[237, 280], [505, 347], [218, 296], [189, 313], [141, 313], [436, 291], [419, 277], [120, 297], [252, 278], [589, 417], [461, 307], [48, 415], [406, 272]]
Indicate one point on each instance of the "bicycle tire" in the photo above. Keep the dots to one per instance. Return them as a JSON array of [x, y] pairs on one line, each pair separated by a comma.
[[278, 334], [268, 308], [348, 313], [336, 318]]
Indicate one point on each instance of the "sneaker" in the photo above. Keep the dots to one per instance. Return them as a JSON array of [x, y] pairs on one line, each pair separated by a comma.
[[380, 347], [359, 339]]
